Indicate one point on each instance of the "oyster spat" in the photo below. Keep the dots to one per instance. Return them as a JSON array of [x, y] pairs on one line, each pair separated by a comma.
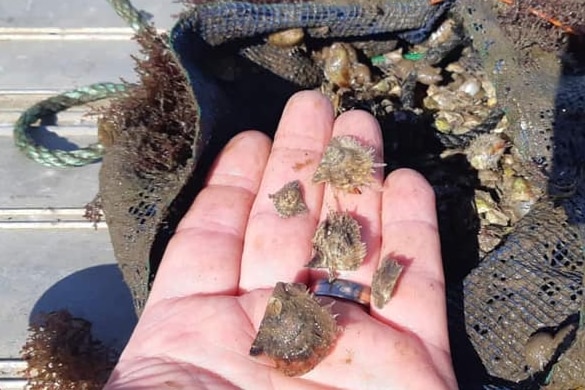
[[347, 165], [384, 281], [296, 332], [337, 244], [288, 201]]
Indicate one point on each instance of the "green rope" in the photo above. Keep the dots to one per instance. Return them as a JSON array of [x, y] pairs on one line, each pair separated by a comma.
[[51, 106], [130, 14], [91, 93]]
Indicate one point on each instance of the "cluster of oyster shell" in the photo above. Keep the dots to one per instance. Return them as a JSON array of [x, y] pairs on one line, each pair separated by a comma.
[[296, 332], [460, 97]]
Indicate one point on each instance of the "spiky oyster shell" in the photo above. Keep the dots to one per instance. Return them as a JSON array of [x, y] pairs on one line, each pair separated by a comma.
[[337, 244], [288, 201], [346, 164], [296, 332]]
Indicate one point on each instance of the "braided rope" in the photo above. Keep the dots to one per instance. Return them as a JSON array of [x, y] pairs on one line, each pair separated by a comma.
[[135, 18], [51, 106], [72, 98]]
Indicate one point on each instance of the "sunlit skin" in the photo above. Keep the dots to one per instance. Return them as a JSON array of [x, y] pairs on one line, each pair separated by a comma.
[[231, 248]]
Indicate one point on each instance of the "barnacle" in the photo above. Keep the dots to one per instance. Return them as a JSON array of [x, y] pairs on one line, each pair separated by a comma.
[[489, 210], [384, 281], [296, 332], [338, 244], [346, 165], [288, 201]]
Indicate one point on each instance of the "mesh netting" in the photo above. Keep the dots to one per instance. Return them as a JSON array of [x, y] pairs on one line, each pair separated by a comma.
[[151, 135], [533, 280]]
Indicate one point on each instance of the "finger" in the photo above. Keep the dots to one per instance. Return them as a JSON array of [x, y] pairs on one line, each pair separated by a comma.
[[277, 249], [203, 257], [410, 235], [364, 207]]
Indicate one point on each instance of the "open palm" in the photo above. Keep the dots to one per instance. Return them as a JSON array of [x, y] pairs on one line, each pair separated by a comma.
[[231, 248]]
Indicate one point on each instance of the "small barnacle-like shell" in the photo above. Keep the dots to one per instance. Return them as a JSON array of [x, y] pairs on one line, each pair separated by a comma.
[[489, 237], [520, 196], [346, 165], [447, 121], [338, 244], [442, 34], [488, 209], [485, 151], [428, 75], [470, 86], [342, 68], [337, 64], [296, 332], [489, 179], [287, 38], [384, 281], [288, 201]]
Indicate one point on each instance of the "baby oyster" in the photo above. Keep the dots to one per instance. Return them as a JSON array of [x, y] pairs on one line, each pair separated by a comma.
[[346, 165], [338, 244], [288, 201], [384, 281], [342, 68], [485, 151], [296, 332]]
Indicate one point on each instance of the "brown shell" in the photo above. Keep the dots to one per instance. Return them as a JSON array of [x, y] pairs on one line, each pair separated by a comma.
[[287, 38], [296, 332], [288, 201], [342, 68], [384, 281], [347, 165], [337, 244]]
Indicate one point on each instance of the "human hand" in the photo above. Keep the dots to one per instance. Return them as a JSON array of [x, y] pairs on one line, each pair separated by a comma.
[[231, 248]]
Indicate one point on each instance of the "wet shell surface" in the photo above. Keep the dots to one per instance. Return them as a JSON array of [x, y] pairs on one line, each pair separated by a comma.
[[342, 68], [288, 201], [337, 244], [287, 38], [296, 332], [485, 151], [384, 281], [347, 165]]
